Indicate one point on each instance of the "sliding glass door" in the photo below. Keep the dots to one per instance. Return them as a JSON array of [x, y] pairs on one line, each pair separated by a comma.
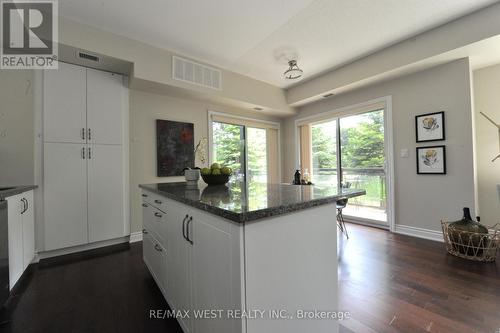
[[242, 148], [362, 160], [350, 152]]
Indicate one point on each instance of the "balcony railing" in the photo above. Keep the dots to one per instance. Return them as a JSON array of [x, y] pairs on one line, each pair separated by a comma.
[[371, 179]]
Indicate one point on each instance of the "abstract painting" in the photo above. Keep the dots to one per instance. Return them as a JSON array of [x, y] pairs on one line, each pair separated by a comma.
[[431, 160], [174, 147], [430, 127]]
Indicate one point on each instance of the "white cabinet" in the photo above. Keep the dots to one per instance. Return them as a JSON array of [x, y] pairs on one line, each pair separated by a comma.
[[28, 218], [106, 201], [179, 263], [21, 234], [202, 262], [65, 104], [105, 102], [65, 195], [85, 175], [212, 272]]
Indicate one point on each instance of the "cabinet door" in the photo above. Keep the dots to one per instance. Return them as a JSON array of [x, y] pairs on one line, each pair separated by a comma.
[[105, 107], [65, 195], [64, 111], [14, 209], [28, 218], [106, 195], [212, 274], [178, 288]]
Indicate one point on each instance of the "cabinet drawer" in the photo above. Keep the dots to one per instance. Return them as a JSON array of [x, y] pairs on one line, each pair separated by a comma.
[[155, 258], [155, 200], [154, 221]]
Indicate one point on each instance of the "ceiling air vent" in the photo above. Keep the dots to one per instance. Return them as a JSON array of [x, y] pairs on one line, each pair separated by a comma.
[[195, 73], [86, 56]]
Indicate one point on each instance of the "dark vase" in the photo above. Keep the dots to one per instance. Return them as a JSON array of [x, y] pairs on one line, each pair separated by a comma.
[[463, 242], [296, 178]]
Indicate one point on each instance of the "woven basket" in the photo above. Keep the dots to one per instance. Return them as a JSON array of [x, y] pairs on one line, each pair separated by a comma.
[[472, 245]]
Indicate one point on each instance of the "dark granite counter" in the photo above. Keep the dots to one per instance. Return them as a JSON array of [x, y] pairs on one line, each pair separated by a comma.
[[8, 191], [242, 202]]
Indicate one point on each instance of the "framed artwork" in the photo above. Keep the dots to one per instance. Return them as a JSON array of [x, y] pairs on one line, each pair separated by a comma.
[[174, 147], [430, 127], [431, 160]]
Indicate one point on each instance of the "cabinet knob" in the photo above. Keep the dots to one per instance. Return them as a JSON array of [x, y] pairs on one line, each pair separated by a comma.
[[158, 202], [144, 231], [144, 205], [158, 248], [144, 195], [158, 215]]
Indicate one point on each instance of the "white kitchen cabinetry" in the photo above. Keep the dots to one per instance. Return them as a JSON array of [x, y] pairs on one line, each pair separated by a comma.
[[202, 262], [65, 195], [105, 96], [85, 157], [65, 104], [21, 234], [106, 191]]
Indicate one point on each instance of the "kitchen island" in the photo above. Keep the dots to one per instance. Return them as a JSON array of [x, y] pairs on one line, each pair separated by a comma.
[[245, 257]]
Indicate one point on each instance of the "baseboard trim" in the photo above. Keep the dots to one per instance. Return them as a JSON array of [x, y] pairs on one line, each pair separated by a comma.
[[136, 237], [419, 232], [80, 248]]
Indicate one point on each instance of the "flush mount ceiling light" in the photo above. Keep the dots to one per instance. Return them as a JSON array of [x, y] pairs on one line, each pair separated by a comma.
[[293, 72]]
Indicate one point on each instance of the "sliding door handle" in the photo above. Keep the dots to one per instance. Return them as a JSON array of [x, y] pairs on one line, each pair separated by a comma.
[[187, 230]]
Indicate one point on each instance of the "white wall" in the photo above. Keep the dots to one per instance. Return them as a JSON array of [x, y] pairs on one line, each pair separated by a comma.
[[421, 200], [16, 127], [145, 108], [487, 100]]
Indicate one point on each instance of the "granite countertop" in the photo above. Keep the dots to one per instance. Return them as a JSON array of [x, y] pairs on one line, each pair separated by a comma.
[[8, 191], [241, 202]]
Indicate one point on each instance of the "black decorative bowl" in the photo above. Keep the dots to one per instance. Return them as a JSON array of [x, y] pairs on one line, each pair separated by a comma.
[[216, 179]]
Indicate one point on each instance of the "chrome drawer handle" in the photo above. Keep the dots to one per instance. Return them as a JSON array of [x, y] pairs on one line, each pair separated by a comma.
[[158, 202], [158, 215], [158, 248]]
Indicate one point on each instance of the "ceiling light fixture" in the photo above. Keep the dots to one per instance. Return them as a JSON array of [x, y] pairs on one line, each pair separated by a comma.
[[293, 72]]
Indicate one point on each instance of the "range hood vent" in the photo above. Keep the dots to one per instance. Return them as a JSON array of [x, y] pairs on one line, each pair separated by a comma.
[[195, 73]]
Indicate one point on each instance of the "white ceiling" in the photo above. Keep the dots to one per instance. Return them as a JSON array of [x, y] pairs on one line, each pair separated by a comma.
[[256, 37]]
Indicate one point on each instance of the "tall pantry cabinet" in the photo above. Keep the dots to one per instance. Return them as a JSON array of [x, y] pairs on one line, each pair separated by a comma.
[[85, 156]]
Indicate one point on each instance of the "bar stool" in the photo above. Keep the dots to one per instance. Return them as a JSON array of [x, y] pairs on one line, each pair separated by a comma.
[[341, 204]]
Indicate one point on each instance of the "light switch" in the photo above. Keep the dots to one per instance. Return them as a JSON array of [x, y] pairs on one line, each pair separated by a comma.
[[404, 153]]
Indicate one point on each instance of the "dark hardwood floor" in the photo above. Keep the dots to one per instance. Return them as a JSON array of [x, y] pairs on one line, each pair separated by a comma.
[[389, 283], [396, 283], [107, 293]]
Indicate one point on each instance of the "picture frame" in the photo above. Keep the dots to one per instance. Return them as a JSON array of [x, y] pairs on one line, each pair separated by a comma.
[[174, 147], [430, 127], [431, 160]]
